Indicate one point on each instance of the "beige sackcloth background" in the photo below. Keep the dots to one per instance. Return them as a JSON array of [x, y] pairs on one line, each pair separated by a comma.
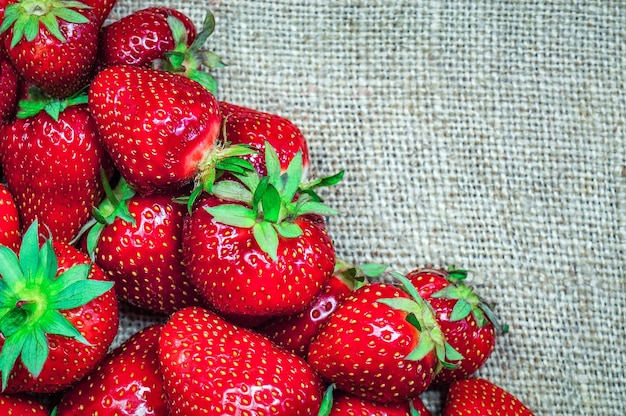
[[485, 134]]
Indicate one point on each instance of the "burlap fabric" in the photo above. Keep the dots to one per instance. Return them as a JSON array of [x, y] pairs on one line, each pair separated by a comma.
[[485, 134]]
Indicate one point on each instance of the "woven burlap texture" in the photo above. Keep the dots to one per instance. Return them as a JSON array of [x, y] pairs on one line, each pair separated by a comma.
[[484, 134]]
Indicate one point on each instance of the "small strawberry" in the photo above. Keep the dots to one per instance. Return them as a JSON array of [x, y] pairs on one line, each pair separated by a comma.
[[142, 36], [21, 405], [211, 366], [478, 397], [159, 128], [126, 383], [467, 322], [52, 162], [295, 332], [52, 43], [137, 241], [382, 344], [9, 81], [10, 234], [252, 127], [343, 404], [257, 249], [58, 315]]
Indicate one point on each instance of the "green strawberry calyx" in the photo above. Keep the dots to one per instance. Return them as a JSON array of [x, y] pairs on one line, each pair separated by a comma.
[[421, 315], [26, 17], [356, 276], [114, 206], [39, 101], [32, 297], [189, 60], [467, 301], [268, 205]]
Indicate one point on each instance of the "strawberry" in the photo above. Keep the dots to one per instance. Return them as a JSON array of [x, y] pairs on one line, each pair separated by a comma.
[[126, 383], [478, 396], [159, 128], [255, 249], [211, 366], [137, 241], [52, 162], [58, 315], [10, 235], [344, 404], [467, 322], [52, 43], [382, 344], [295, 332], [143, 36], [101, 9], [248, 126], [9, 81], [21, 405]]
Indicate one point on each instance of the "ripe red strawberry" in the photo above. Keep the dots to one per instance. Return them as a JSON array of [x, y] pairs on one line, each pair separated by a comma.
[[52, 167], [382, 344], [478, 397], [10, 234], [9, 81], [58, 315], [126, 383], [295, 332], [344, 404], [57, 48], [257, 250], [248, 126], [21, 405], [137, 241], [159, 128], [211, 366], [101, 9], [142, 36], [467, 322]]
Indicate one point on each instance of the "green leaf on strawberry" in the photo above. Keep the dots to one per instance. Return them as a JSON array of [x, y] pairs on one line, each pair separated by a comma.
[[31, 298], [421, 315], [270, 203]]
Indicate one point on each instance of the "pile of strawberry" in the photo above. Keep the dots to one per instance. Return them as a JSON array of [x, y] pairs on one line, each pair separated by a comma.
[[125, 179]]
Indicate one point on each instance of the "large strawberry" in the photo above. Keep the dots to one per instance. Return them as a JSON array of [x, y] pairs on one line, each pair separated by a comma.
[[52, 43], [58, 315], [52, 162], [295, 332], [257, 249], [478, 397], [211, 366], [21, 405], [126, 383], [143, 36], [382, 344], [137, 241], [253, 127], [467, 322], [160, 128], [344, 404], [10, 234], [9, 80]]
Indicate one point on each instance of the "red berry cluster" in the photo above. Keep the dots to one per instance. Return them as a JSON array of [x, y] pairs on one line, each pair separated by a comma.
[[126, 179]]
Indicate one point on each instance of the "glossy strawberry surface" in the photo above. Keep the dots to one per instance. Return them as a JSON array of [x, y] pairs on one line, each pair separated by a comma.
[[126, 383], [478, 397], [10, 234], [52, 167], [9, 80], [21, 405], [236, 277], [158, 127], [211, 366]]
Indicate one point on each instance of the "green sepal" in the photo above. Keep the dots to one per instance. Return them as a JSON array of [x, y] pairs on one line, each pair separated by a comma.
[[461, 310], [373, 270], [293, 178], [10, 269], [232, 191], [80, 293], [11, 349], [327, 401], [288, 229], [267, 238], [54, 411], [233, 214], [205, 79], [35, 351], [314, 207], [11, 14], [424, 346], [38, 101], [402, 304], [309, 188], [57, 324], [270, 203], [179, 34], [29, 251], [412, 410]]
